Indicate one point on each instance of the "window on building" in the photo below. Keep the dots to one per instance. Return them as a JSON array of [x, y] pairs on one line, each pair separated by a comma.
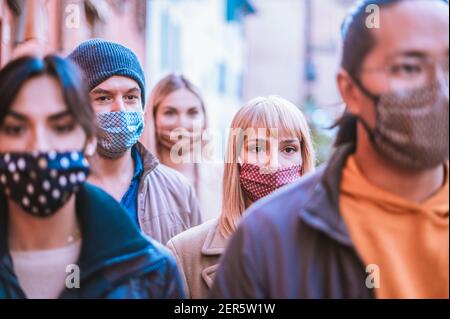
[[170, 44], [238, 9]]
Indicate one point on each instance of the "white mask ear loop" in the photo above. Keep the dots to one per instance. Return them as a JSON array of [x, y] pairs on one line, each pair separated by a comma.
[[90, 148]]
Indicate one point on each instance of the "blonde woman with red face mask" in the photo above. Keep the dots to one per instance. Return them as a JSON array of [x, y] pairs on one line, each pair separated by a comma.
[[177, 132], [269, 146]]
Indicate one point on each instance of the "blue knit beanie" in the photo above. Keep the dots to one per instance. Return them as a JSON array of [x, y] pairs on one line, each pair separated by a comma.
[[100, 59]]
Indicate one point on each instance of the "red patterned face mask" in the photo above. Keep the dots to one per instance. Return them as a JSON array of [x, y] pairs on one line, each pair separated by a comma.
[[257, 184]]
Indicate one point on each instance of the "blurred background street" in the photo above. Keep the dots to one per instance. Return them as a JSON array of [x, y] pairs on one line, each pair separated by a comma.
[[233, 50]]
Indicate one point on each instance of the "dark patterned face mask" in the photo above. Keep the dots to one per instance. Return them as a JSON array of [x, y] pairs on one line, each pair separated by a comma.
[[41, 183], [412, 127], [119, 131]]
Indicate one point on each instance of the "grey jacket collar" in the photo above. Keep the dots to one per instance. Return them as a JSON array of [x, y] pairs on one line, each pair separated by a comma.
[[149, 161], [322, 210]]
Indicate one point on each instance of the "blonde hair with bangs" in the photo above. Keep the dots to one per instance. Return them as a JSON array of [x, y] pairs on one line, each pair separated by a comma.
[[260, 113], [169, 84]]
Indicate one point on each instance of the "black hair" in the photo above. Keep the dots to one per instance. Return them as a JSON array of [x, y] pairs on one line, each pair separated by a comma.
[[76, 96], [358, 41]]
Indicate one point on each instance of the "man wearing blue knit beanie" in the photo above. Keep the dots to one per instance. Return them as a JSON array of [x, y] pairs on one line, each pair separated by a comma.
[[159, 199]]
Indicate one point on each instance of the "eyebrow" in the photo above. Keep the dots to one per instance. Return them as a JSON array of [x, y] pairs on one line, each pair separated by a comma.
[[103, 91], [410, 54], [134, 90], [58, 116], [17, 116], [100, 91], [169, 107], [289, 141], [194, 107], [54, 117], [257, 140], [176, 108]]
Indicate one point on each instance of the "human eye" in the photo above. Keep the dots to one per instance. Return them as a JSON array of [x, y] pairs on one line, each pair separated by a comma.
[[257, 147], [290, 149], [13, 130]]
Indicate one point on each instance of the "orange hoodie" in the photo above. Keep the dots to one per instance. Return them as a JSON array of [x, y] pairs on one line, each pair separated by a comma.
[[407, 241]]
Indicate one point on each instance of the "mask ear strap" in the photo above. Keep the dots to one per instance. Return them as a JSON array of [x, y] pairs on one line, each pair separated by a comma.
[[89, 149], [376, 101], [367, 128], [366, 92]]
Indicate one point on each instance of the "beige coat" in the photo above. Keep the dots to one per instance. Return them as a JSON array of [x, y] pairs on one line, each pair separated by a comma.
[[167, 204], [197, 252]]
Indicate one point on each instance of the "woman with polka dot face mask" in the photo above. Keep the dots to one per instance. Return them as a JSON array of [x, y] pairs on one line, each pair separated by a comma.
[[42, 166], [50, 218], [269, 146], [43, 142]]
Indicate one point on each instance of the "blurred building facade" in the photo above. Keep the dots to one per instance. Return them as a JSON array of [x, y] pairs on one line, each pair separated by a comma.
[[233, 50], [294, 51], [205, 41], [202, 39], [60, 25]]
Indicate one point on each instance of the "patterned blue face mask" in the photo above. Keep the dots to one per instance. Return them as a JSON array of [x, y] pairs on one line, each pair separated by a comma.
[[41, 183], [119, 131]]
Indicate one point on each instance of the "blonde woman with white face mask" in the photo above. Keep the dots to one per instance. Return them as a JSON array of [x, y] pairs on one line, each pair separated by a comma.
[[269, 146], [176, 131]]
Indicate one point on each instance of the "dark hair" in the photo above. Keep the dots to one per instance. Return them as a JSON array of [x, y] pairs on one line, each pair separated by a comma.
[[76, 97], [358, 41]]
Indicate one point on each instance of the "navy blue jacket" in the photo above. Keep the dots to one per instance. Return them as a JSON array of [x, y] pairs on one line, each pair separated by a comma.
[[295, 244], [116, 261]]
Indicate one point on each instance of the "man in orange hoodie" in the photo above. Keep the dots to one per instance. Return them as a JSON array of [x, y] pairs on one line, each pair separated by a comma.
[[375, 221]]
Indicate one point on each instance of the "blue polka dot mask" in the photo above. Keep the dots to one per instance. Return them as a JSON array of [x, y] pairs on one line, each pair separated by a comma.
[[41, 183], [119, 131]]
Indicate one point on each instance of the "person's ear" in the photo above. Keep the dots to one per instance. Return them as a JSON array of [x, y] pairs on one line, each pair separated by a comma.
[[91, 147], [349, 92]]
